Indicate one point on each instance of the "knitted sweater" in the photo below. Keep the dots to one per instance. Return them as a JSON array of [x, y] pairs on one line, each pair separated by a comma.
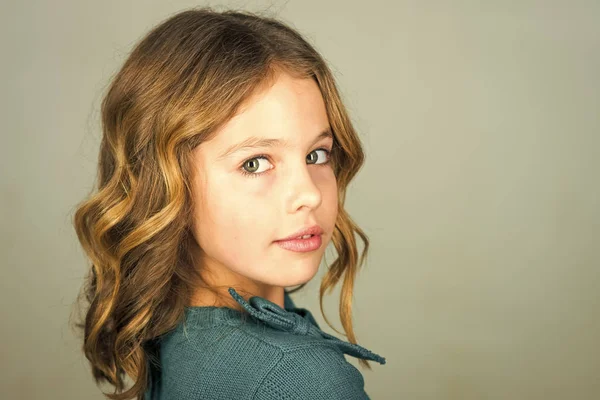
[[267, 353]]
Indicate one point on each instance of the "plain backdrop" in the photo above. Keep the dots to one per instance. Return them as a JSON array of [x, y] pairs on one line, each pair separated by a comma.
[[480, 192]]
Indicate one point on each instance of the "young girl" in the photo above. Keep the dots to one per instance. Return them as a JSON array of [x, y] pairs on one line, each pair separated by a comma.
[[223, 167]]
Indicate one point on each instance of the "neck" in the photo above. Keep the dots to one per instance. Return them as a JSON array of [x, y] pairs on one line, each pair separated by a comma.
[[219, 296]]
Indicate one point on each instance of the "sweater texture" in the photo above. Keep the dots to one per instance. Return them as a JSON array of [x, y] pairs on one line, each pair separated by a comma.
[[265, 353]]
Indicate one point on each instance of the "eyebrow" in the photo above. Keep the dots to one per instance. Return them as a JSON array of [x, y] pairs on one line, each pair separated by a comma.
[[254, 142]]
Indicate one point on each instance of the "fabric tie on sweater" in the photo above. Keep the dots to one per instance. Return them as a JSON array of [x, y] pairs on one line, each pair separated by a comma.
[[279, 318]]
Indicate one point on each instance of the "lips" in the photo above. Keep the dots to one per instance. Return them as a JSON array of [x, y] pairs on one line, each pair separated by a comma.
[[301, 245], [313, 230]]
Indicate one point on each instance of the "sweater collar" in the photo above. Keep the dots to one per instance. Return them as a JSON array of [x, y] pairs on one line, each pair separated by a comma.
[[297, 321]]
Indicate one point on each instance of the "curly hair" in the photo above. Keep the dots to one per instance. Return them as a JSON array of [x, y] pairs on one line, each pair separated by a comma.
[[182, 81]]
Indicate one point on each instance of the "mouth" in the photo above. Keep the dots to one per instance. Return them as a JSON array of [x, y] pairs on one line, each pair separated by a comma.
[[303, 237], [304, 234], [304, 243]]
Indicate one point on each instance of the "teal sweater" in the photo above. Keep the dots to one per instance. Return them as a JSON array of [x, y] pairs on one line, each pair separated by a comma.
[[266, 354]]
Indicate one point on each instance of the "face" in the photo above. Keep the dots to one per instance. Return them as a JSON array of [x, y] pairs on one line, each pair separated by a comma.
[[248, 198]]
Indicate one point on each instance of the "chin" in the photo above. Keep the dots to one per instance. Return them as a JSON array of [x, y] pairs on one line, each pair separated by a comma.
[[302, 275]]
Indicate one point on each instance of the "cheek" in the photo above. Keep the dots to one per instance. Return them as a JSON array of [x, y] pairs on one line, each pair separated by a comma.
[[333, 202], [229, 219], [328, 184], [329, 193], [218, 213]]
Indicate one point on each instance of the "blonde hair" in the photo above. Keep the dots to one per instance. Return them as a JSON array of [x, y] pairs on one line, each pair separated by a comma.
[[184, 79]]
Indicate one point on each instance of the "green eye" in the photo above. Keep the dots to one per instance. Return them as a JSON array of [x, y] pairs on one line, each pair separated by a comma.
[[251, 165], [309, 158]]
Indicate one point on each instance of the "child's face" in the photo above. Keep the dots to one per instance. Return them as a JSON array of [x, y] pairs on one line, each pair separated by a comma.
[[237, 218]]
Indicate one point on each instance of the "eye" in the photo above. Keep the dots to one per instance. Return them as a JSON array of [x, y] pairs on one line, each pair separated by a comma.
[[252, 165], [326, 157]]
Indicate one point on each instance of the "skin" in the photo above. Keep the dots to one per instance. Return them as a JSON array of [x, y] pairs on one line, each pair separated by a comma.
[[237, 218]]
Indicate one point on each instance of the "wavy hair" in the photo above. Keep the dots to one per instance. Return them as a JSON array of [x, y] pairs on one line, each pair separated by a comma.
[[183, 80]]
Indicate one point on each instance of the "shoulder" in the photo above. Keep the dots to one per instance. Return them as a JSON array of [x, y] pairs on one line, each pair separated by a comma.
[[250, 361], [202, 363], [225, 361], [312, 372]]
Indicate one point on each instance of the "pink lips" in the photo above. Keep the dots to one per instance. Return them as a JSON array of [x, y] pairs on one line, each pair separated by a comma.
[[295, 242], [301, 245], [313, 230]]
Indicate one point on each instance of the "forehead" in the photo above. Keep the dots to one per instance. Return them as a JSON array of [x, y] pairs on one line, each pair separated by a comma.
[[291, 109]]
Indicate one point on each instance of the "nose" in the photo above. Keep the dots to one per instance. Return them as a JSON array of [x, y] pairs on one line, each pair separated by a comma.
[[302, 189]]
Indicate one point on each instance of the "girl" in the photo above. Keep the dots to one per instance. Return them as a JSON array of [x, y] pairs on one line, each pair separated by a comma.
[[223, 167]]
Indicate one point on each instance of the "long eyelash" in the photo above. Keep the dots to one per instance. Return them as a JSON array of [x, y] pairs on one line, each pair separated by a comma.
[[265, 157]]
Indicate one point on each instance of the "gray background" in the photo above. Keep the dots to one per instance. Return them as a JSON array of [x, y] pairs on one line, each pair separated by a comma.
[[480, 191]]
